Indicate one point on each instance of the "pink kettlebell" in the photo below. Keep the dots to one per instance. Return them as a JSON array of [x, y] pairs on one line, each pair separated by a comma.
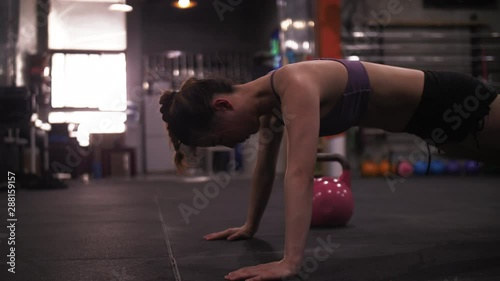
[[333, 203]]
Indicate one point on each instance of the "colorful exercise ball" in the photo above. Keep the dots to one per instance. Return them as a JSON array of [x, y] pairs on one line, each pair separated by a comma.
[[420, 168], [472, 167], [384, 167], [437, 167], [369, 169], [405, 169]]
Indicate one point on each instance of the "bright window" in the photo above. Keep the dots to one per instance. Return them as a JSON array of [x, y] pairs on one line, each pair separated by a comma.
[[88, 67], [89, 81]]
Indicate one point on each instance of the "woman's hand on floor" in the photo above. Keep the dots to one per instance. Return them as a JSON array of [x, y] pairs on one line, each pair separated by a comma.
[[235, 233], [278, 270]]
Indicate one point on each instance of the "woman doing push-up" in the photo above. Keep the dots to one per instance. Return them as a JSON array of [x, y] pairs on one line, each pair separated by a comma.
[[455, 112]]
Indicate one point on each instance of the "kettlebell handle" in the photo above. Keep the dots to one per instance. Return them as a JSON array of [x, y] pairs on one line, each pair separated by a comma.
[[346, 167]]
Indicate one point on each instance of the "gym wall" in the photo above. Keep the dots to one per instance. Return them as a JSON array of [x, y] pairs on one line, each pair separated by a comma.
[[414, 10]]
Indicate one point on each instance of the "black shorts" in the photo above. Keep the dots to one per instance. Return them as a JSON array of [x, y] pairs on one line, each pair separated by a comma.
[[453, 106]]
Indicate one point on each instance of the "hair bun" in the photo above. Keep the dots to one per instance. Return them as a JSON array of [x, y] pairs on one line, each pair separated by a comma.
[[166, 101], [167, 97]]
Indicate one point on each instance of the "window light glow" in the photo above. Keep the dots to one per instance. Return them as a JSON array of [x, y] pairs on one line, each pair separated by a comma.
[[89, 81], [92, 122]]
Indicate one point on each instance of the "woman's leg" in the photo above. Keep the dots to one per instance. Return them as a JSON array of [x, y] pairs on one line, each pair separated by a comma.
[[453, 106], [484, 148], [490, 136]]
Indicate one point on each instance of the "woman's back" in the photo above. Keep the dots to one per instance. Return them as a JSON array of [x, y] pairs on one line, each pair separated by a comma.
[[393, 90]]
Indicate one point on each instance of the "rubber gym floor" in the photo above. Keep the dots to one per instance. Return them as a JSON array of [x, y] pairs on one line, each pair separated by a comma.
[[425, 229]]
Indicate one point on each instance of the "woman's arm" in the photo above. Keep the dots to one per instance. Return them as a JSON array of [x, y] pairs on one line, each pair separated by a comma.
[[300, 101], [300, 108], [270, 136]]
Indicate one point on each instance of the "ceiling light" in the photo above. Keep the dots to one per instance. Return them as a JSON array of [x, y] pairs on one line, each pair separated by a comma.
[[121, 7], [184, 4]]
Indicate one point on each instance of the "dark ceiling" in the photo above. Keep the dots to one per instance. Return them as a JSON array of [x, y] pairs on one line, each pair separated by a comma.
[[205, 11]]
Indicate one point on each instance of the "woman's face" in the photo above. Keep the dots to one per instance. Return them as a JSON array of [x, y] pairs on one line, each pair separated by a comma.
[[229, 129], [233, 123], [233, 127]]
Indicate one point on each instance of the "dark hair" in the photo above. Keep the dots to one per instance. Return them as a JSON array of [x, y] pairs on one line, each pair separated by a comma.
[[188, 113]]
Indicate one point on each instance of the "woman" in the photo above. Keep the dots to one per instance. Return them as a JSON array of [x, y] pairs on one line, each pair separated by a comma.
[[455, 112]]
